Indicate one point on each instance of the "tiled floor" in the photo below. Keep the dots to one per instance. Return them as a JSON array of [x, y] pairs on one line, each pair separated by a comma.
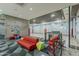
[[70, 52], [65, 51], [74, 51], [74, 42]]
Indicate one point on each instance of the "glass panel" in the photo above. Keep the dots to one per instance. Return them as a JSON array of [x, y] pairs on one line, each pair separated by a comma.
[[77, 28], [74, 41], [65, 27], [2, 28]]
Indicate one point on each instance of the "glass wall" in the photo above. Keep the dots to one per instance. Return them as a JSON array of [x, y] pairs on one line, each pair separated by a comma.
[[2, 27], [58, 22], [77, 28]]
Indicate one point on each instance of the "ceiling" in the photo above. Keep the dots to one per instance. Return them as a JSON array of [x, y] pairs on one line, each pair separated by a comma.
[[30, 10], [48, 17]]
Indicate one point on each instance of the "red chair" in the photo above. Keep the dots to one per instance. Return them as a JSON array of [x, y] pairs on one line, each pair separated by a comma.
[[28, 43], [53, 44]]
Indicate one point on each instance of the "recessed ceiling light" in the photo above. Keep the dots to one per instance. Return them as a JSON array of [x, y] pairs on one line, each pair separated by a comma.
[[31, 9], [43, 22], [52, 15], [34, 20]]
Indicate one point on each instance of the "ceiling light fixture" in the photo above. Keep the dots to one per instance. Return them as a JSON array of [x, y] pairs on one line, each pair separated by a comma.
[[31, 9], [34, 21], [43, 22], [52, 15]]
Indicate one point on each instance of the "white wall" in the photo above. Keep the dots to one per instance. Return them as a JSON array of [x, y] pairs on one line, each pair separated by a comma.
[[11, 22]]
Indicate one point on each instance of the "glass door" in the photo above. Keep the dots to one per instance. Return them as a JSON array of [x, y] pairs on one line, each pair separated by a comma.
[[77, 29], [74, 41]]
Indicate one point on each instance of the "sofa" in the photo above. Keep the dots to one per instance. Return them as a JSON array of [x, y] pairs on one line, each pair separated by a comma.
[[28, 43]]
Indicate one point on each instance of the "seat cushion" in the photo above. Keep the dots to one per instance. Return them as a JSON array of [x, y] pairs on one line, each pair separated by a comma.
[[26, 41], [26, 45], [40, 45], [27, 38]]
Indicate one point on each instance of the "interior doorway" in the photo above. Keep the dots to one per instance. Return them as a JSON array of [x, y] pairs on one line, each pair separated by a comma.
[[74, 40]]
